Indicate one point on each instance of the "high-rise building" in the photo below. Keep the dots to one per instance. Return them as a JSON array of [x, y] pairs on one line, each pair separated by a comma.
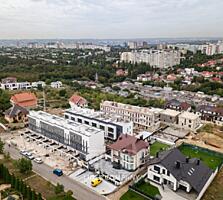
[[156, 58]]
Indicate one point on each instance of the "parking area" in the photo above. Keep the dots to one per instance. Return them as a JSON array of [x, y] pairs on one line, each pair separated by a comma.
[[54, 154], [85, 177]]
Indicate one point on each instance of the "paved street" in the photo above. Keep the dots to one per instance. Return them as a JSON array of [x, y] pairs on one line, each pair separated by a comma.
[[80, 191]]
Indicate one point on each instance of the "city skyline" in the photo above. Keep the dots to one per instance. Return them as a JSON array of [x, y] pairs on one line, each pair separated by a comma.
[[45, 19]]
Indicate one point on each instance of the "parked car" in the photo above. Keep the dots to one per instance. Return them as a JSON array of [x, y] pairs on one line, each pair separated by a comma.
[[38, 160], [58, 172], [95, 182], [23, 152], [31, 157]]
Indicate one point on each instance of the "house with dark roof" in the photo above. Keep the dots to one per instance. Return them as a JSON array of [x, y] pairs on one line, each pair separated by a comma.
[[16, 114], [210, 114], [177, 105], [77, 100], [173, 169], [129, 152]]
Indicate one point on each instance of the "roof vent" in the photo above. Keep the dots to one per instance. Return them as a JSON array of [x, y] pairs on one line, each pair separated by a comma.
[[177, 164]]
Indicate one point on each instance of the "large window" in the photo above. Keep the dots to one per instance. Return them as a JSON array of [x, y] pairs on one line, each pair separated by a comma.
[[110, 129], [94, 124], [156, 178], [156, 168], [79, 120]]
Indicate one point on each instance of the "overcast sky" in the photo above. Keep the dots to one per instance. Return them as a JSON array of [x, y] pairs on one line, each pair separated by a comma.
[[29, 19]]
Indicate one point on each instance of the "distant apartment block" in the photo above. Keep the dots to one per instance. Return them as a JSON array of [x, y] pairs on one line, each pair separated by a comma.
[[137, 44], [112, 125], [156, 58], [142, 117], [88, 141]]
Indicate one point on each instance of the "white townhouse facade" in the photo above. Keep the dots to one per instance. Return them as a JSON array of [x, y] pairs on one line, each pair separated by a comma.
[[56, 84], [16, 86], [142, 117], [112, 125], [86, 140]]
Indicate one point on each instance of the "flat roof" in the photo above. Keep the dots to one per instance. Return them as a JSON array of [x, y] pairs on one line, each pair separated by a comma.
[[189, 115], [170, 112], [97, 115], [65, 124]]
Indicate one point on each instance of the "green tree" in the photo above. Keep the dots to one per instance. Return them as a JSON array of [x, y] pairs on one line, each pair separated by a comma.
[[1, 146], [59, 188], [4, 100], [24, 165]]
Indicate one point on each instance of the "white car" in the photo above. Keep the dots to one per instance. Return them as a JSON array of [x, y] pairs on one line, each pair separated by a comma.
[[38, 160], [30, 157], [28, 154], [23, 152]]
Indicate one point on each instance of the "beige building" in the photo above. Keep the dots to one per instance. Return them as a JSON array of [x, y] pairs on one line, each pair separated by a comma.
[[142, 117], [188, 120]]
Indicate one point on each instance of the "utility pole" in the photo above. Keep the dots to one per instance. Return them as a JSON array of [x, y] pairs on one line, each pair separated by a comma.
[[44, 101]]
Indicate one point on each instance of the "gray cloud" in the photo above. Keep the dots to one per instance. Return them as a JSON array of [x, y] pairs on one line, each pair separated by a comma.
[[110, 19]]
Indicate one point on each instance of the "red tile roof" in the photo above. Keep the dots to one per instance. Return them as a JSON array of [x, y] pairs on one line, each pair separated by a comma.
[[24, 99], [129, 144], [76, 99]]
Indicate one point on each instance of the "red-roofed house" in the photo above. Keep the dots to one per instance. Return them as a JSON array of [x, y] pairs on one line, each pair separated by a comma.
[[128, 152], [26, 100], [77, 100]]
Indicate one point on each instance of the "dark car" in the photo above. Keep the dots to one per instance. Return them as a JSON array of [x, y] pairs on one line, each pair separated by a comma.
[[58, 172]]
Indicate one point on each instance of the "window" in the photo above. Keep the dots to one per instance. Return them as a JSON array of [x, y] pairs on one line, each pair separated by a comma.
[[94, 124], [156, 168], [86, 122], [163, 171], [102, 127], [72, 118], [156, 178], [168, 173], [66, 117], [110, 129], [79, 120]]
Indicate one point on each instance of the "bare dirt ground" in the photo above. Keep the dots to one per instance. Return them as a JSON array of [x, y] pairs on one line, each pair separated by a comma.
[[210, 137], [55, 111], [215, 191]]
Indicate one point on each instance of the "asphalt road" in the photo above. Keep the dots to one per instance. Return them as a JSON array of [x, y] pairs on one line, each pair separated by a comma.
[[81, 192]]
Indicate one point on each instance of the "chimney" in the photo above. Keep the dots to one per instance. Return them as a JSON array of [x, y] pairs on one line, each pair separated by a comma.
[[177, 164], [198, 161], [187, 159]]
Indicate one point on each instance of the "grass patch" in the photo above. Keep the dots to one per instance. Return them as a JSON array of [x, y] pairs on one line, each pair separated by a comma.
[[42, 186], [211, 160], [147, 189], [158, 147], [131, 195]]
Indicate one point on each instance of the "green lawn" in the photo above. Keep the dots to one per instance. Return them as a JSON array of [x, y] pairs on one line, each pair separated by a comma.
[[157, 147], [131, 195], [213, 161], [147, 189]]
